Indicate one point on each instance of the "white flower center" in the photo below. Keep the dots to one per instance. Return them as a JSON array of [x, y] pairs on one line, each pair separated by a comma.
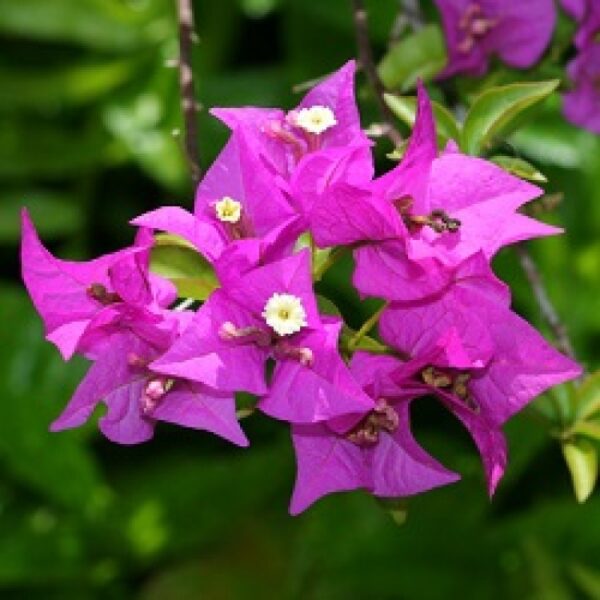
[[285, 314], [315, 119], [228, 210]]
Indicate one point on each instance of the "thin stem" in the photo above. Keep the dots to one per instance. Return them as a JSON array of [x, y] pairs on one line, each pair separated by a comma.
[[186, 84], [546, 307], [366, 60], [366, 327]]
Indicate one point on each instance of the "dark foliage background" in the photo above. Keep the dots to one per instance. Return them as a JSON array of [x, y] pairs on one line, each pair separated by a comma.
[[89, 115]]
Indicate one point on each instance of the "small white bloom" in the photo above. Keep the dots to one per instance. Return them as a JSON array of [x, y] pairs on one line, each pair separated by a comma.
[[228, 210], [285, 314], [315, 119]]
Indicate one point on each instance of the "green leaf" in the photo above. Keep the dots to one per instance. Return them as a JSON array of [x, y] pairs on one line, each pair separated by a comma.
[[110, 25], [582, 460], [47, 89], [54, 214], [327, 307], [422, 55], [587, 579], [141, 126], [37, 386], [519, 167], [588, 428], [495, 110], [57, 151], [405, 108], [587, 400], [185, 268]]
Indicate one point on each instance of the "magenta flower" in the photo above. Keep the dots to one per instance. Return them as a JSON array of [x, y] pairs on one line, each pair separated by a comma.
[[417, 223], [270, 312], [589, 27], [476, 30], [480, 359], [574, 8], [581, 106], [373, 450], [82, 304], [236, 205], [136, 397], [327, 117]]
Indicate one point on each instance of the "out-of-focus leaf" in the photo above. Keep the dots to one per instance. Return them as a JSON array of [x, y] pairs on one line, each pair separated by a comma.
[[588, 428], [405, 109], [55, 214], [519, 167], [587, 400], [103, 24], [63, 86], [258, 8], [37, 385], [582, 460], [422, 55], [587, 579], [29, 148], [189, 272], [396, 507], [139, 125], [495, 110]]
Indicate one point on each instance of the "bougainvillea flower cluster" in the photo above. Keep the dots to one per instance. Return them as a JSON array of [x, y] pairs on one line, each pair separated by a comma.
[[422, 236]]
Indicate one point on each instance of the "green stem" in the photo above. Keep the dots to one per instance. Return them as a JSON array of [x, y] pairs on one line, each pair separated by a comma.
[[366, 327]]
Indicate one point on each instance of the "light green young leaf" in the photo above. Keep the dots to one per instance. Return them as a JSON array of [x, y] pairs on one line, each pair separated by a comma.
[[496, 109], [590, 429], [185, 268], [519, 167], [582, 459], [405, 108], [420, 56], [587, 400]]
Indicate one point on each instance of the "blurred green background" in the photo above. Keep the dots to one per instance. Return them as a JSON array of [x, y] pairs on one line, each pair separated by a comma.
[[89, 122]]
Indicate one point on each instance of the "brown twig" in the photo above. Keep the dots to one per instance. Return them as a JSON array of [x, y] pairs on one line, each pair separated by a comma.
[[186, 83], [546, 307], [366, 60]]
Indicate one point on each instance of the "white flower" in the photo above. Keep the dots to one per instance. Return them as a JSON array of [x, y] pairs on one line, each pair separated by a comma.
[[285, 314], [228, 210], [315, 119]]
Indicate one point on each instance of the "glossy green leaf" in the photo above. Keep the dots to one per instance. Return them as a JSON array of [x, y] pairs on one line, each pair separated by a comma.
[[582, 460], [419, 56], [405, 108], [185, 268], [519, 167], [495, 110]]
